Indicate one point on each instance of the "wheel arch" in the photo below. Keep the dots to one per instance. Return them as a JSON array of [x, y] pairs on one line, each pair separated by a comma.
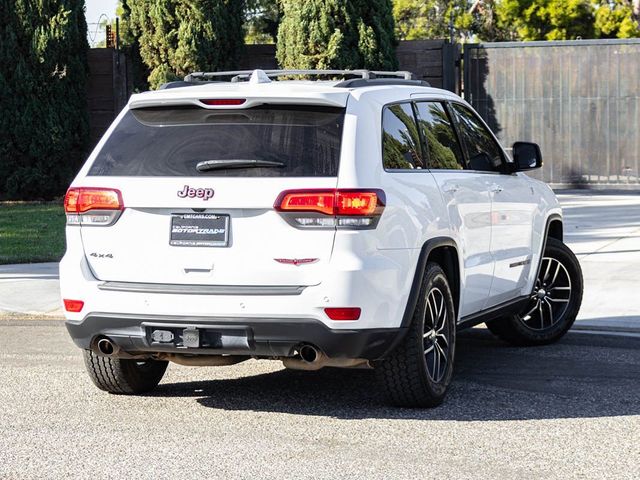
[[554, 229], [444, 251]]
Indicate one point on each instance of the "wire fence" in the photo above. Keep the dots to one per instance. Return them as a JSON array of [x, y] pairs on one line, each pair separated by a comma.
[[103, 32]]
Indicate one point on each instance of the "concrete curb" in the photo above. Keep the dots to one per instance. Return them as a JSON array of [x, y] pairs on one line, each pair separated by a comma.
[[31, 322]]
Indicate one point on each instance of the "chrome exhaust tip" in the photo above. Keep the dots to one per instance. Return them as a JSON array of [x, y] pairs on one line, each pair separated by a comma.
[[309, 353], [106, 347]]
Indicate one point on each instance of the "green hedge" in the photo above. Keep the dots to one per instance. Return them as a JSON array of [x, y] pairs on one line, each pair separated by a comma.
[[43, 76]]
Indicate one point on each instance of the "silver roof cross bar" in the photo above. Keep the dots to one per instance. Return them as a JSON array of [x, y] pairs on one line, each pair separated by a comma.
[[238, 75]]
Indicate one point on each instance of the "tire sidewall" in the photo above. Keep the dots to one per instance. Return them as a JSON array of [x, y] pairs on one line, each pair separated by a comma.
[[435, 277], [559, 251]]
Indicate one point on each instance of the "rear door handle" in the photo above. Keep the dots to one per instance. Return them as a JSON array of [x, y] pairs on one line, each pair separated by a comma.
[[451, 188], [496, 189]]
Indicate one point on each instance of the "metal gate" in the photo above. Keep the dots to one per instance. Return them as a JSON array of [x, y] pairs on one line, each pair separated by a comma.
[[580, 100]]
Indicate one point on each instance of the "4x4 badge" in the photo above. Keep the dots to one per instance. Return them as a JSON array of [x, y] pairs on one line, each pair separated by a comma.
[[190, 192]]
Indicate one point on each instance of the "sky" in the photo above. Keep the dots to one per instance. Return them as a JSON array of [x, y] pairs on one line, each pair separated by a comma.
[[94, 8]]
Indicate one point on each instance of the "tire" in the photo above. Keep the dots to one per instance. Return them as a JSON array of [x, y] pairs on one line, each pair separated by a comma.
[[128, 377], [552, 308], [418, 371]]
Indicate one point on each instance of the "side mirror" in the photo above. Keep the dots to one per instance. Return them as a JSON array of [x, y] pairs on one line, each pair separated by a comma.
[[526, 156]]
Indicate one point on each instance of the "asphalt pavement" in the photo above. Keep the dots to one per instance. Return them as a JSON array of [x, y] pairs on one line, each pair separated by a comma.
[[565, 411]]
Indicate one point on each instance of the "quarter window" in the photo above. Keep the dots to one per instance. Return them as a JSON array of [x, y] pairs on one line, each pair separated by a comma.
[[437, 131], [400, 139], [483, 152]]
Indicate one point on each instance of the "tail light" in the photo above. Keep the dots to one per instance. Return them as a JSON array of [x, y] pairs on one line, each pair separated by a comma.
[[354, 209], [223, 102], [74, 306], [93, 206]]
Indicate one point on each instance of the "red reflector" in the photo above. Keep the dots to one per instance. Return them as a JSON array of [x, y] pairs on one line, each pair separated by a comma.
[[73, 305], [331, 202], [223, 101], [80, 200], [351, 313]]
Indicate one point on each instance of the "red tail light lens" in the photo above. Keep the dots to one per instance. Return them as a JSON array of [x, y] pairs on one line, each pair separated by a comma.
[[74, 306], [220, 102], [331, 202], [81, 200], [356, 203], [351, 313], [321, 202], [356, 209], [93, 206]]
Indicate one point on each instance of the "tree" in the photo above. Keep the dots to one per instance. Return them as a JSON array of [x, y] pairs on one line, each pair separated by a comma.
[[43, 76], [338, 34], [130, 45], [617, 19], [548, 19], [178, 37], [261, 21], [429, 19], [484, 23]]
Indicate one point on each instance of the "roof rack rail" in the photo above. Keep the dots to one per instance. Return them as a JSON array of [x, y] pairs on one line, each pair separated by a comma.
[[262, 76], [372, 82]]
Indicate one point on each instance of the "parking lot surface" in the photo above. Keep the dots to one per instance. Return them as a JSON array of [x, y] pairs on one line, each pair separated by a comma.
[[569, 410]]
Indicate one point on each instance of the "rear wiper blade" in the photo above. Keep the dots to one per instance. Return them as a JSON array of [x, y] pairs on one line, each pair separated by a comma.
[[207, 165]]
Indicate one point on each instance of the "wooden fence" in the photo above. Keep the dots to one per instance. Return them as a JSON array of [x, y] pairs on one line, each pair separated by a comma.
[[580, 100], [432, 60], [110, 85]]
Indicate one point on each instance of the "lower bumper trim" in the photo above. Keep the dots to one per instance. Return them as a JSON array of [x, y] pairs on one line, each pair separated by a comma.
[[268, 337]]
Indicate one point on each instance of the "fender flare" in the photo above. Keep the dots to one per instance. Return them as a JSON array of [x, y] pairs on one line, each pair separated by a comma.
[[426, 250], [412, 301], [551, 218]]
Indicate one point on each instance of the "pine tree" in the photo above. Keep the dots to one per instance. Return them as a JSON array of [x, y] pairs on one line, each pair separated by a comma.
[[178, 37], [43, 75], [342, 34]]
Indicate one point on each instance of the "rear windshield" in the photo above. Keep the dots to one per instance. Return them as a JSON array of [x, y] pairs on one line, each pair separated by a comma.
[[303, 141]]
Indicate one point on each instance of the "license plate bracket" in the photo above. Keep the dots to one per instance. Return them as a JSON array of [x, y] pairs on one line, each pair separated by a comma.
[[199, 230]]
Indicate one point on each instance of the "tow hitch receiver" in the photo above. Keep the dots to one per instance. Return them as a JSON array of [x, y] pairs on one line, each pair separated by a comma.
[[191, 338]]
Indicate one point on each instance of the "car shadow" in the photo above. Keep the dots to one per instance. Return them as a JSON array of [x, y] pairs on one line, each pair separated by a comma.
[[584, 375]]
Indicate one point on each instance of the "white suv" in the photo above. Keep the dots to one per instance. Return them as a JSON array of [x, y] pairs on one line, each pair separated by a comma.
[[346, 223]]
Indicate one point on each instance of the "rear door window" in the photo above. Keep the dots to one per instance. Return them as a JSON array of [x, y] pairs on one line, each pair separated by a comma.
[[437, 130], [299, 141], [400, 139]]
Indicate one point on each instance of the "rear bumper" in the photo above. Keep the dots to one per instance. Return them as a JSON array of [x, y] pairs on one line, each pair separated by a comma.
[[231, 336]]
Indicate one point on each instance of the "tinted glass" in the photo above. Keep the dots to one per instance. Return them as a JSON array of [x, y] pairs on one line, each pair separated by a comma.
[[400, 140], [437, 131], [172, 141], [483, 151]]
